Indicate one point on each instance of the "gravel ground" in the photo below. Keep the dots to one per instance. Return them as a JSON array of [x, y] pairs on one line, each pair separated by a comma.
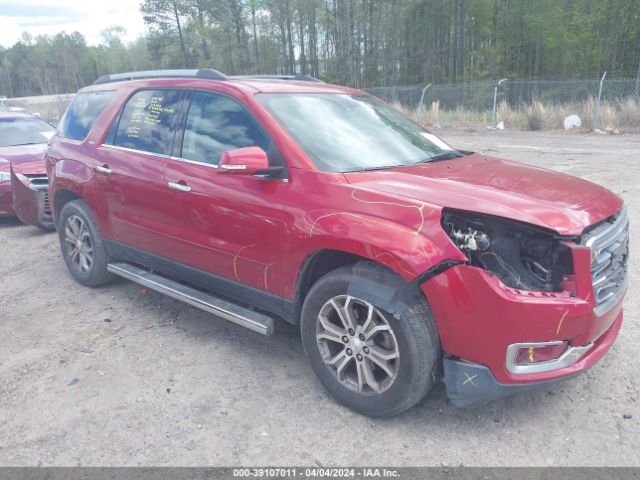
[[121, 376]]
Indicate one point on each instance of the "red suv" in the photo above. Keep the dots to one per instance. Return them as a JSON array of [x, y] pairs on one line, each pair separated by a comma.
[[402, 259]]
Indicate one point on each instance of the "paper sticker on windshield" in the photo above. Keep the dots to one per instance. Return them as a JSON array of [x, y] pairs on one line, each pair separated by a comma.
[[47, 135], [435, 140]]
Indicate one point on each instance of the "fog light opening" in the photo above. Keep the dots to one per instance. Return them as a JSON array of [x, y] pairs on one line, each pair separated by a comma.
[[532, 354]]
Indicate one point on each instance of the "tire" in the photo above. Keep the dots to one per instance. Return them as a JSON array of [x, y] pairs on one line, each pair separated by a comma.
[[87, 262], [403, 382]]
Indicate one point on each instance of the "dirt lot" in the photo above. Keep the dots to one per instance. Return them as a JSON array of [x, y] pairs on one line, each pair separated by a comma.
[[117, 376]]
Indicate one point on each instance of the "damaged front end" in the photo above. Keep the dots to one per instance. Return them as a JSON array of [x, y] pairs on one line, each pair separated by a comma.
[[528, 306], [31, 199], [522, 256]]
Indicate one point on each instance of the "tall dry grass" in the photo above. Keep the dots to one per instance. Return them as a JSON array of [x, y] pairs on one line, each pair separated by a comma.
[[623, 117]]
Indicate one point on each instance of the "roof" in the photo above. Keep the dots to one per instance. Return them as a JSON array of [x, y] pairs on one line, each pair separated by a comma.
[[289, 86], [250, 84]]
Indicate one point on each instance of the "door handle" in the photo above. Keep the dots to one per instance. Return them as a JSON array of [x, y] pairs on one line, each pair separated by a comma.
[[103, 169], [182, 187]]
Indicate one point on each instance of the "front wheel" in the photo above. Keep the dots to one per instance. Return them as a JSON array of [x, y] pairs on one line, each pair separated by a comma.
[[81, 245], [371, 361]]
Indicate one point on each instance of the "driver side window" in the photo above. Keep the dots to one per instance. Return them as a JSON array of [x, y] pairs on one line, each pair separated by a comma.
[[215, 124]]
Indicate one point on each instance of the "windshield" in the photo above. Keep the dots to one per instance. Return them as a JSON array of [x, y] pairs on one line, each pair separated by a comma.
[[343, 133], [24, 131]]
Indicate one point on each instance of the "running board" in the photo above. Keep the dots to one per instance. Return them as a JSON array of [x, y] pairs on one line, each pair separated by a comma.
[[229, 311]]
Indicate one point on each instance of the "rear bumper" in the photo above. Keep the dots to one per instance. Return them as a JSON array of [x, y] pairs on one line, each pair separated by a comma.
[[472, 385]]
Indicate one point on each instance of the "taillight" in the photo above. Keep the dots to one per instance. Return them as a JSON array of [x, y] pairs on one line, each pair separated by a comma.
[[528, 355]]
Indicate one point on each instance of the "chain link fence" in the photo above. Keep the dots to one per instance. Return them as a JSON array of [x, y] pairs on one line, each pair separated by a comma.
[[516, 101]]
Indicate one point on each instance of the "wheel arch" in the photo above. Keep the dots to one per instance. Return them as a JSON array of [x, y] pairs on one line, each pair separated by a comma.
[[61, 198], [373, 280], [315, 266]]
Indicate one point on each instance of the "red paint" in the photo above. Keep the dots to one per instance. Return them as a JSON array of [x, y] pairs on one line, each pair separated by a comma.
[[259, 231], [243, 161], [534, 195], [26, 160], [478, 318]]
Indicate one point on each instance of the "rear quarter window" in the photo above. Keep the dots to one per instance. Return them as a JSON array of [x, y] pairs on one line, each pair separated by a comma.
[[149, 121], [77, 121]]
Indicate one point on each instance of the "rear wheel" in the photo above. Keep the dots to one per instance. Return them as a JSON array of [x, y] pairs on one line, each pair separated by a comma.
[[373, 362], [81, 245]]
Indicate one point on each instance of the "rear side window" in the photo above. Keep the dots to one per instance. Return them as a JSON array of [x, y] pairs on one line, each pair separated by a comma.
[[82, 113], [149, 121], [216, 124]]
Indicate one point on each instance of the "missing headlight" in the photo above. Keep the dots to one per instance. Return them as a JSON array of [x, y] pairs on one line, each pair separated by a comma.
[[523, 256]]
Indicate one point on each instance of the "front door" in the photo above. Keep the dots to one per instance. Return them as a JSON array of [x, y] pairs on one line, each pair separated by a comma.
[[229, 225]]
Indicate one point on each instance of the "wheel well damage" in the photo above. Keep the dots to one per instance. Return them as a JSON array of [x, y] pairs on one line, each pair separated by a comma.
[[373, 281]]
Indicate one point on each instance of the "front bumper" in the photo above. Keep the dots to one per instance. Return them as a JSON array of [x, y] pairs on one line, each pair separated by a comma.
[[472, 385], [31, 203], [478, 317], [6, 200]]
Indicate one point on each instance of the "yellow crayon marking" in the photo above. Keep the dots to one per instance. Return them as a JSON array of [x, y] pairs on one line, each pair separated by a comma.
[[266, 269], [361, 217], [469, 379], [396, 261], [402, 205], [560, 323], [237, 255]]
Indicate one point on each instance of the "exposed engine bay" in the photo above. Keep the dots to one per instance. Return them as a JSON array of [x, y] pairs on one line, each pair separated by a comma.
[[523, 256]]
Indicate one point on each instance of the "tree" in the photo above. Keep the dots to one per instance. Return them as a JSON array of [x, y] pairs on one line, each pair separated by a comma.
[[164, 15]]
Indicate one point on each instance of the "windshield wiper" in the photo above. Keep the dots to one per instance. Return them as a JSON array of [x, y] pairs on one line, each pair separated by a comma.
[[23, 144], [448, 155], [383, 167], [444, 156]]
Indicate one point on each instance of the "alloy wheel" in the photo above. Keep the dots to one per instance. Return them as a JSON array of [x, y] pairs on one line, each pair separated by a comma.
[[358, 345], [78, 242]]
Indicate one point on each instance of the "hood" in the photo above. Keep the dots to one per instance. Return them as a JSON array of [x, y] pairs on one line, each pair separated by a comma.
[[26, 159], [549, 199]]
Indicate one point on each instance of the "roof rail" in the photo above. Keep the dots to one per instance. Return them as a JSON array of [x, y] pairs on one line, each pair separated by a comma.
[[206, 73], [298, 77]]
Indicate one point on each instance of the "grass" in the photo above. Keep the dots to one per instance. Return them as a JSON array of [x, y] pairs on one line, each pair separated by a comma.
[[614, 117]]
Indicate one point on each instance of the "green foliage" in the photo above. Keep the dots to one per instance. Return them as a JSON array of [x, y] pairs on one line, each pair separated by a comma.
[[354, 42]]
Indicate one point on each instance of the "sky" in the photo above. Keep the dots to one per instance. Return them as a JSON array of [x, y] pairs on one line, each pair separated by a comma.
[[89, 17]]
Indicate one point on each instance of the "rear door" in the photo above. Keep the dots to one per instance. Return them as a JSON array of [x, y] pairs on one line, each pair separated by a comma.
[[130, 166], [228, 225]]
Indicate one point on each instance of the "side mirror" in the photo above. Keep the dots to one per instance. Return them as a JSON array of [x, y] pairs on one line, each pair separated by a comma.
[[243, 161]]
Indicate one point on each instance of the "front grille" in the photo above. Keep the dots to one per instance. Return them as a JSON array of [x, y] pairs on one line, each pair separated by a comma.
[[609, 243], [46, 207], [40, 183], [37, 180]]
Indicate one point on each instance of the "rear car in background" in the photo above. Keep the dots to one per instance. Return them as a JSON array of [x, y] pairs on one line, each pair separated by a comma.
[[23, 177], [7, 108]]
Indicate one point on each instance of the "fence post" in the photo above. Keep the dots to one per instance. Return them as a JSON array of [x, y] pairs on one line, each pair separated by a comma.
[[495, 99], [596, 110], [424, 90]]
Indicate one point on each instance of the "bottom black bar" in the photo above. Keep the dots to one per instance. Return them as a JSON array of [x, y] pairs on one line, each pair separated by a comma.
[[318, 472]]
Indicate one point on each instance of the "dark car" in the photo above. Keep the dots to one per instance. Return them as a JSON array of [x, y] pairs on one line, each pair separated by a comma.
[[402, 259], [23, 141]]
